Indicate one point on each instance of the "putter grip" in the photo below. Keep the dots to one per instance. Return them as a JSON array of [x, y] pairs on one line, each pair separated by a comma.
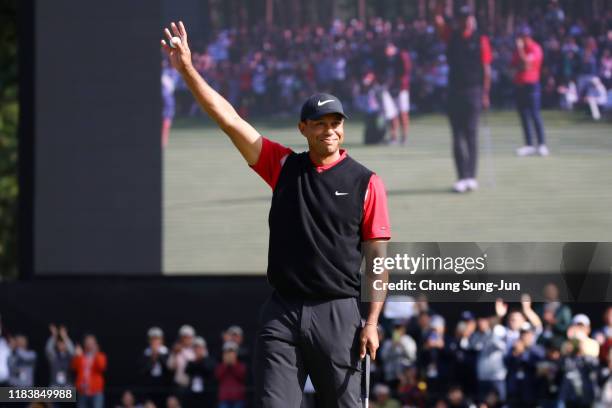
[[366, 393]]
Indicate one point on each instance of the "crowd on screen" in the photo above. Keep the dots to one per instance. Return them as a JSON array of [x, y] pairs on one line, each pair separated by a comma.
[[271, 71], [542, 355]]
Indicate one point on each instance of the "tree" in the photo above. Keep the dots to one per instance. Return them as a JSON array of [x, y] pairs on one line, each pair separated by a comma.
[[9, 110]]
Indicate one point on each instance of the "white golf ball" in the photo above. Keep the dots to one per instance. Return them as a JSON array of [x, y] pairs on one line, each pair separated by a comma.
[[175, 42]]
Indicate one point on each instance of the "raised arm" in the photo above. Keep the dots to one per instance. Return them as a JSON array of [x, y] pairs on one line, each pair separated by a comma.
[[246, 139], [439, 22]]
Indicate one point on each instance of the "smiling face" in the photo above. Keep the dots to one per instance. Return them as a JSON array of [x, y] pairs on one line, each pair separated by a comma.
[[324, 135]]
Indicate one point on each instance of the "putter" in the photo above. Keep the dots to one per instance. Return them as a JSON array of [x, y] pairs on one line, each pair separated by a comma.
[[366, 392], [488, 147]]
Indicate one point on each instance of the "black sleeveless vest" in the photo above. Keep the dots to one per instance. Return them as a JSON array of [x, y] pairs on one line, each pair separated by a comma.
[[315, 229], [464, 61]]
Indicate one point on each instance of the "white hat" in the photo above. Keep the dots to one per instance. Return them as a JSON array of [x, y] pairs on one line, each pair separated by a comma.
[[155, 332], [186, 330], [199, 341], [381, 389], [436, 321], [581, 319]]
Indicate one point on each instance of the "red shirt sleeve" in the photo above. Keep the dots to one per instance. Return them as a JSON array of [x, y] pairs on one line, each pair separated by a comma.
[[486, 55], [375, 224], [271, 161]]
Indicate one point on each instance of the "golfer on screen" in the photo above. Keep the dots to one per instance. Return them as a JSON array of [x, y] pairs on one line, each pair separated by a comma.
[[325, 205]]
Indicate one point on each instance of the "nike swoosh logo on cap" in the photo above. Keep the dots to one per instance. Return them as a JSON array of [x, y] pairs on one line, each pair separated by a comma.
[[340, 194], [319, 103]]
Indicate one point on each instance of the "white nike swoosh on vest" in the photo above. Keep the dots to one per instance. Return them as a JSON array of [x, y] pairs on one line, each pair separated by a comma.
[[339, 194], [319, 103]]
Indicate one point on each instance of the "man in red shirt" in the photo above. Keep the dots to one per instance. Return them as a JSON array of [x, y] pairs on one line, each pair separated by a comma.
[[327, 212], [89, 364], [527, 60], [231, 375]]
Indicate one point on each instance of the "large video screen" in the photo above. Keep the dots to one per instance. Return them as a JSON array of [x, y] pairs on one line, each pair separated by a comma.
[[133, 177], [393, 80]]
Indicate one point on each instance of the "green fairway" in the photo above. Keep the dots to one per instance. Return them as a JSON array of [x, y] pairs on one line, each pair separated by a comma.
[[216, 209]]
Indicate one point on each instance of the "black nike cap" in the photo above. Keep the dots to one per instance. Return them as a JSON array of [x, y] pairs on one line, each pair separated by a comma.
[[321, 104]]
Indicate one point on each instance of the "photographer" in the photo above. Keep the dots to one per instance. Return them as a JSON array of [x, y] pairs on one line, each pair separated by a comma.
[[521, 362], [580, 353]]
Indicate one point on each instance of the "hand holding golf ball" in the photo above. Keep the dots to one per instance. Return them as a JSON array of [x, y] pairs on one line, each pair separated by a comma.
[[176, 47], [175, 42]]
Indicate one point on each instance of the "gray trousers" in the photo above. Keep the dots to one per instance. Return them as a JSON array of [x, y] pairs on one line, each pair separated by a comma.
[[301, 338], [464, 111]]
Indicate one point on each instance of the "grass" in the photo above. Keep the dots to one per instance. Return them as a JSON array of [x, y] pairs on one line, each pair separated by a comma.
[[216, 208]]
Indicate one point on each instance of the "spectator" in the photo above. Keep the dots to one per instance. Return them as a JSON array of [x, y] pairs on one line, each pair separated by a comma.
[[548, 376], [578, 337], [605, 396], [411, 392], [555, 315], [462, 355], [182, 353], [521, 362], [201, 373], [490, 368], [579, 364], [527, 60], [368, 100], [604, 337], [569, 95], [267, 70], [595, 95], [418, 327], [128, 400], [5, 352], [382, 395], [514, 322], [154, 373], [21, 363], [149, 404], [234, 333], [89, 365], [456, 398], [231, 375], [433, 357], [59, 350], [173, 402], [396, 353], [391, 73], [516, 319]]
